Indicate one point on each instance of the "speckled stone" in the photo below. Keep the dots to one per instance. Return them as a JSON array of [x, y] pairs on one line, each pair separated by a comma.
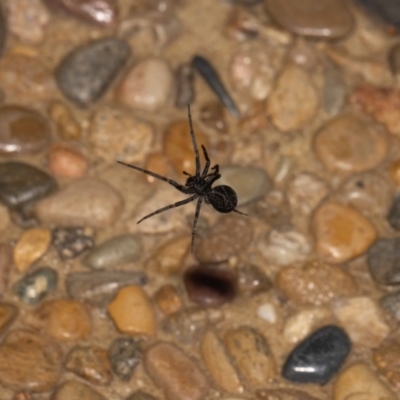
[[71, 242], [86, 73], [125, 355], [386, 358], [391, 303], [8, 313], [5, 266], [76, 390], [168, 299]]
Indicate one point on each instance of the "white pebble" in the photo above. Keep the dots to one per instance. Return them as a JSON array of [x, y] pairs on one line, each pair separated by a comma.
[[267, 312]]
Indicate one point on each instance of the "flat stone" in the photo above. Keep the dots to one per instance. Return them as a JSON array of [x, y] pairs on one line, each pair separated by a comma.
[[386, 358], [168, 300], [76, 390], [71, 242], [318, 357], [86, 73], [391, 303], [8, 313], [330, 19], [87, 202], [393, 216], [5, 266]]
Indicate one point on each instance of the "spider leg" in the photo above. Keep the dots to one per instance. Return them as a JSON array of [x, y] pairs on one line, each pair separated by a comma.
[[205, 171], [179, 203], [196, 150], [186, 173], [239, 212], [181, 188], [196, 217]]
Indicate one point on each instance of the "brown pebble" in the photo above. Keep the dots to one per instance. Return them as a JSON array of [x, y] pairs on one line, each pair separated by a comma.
[[132, 311], [65, 320], [76, 390], [394, 172], [67, 127], [168, 299], [387, 359], [158, 163], [29, 361], [341, 233], [5, 266], [8, 313], [175, 373]]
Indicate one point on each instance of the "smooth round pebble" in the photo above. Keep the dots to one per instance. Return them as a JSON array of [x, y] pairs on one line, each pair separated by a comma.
[[76, 390], [393, 216], [71, 242], [31, 246], [133, 312], [8, 313], [147, 86], [67, 126], [386, 358], [5, 266], [168, 299], [125, 355], [318, 357], [391, 303], [267, 312]]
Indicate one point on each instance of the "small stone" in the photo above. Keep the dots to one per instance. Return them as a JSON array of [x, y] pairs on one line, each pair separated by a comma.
[[76, 390], [35, 286], [334, 90], [87, 72], [210, 286], [341, 233], [67, 126], [317, 283], [330, 20], [22, 183], [71, 242], [125, 355], [22, 130], [168, 299], [89, 363], [229, 236], [352, 382], [212, 116], [147, 86], [394, 59], [383, 260], [267, 312], [391, 303], [175, 373], [114, 252], [65, 320], [386, 358], [344, 141], [132, 311], [29, 361], [252, 280], [5, 266], [363, 319], [251, 354], [318, 357], [283, 394], [8, 313], [98, 288], [31, 246], [87, 201], [184, 82], [66, 161], [139, 395], [4, 218], [216, 360], [286, 104]]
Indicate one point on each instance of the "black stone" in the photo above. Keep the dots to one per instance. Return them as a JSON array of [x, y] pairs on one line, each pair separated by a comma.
[[383, 259], [391, 303], [71, 242], [125, 354], [386, 10], [394, 214], [86, 73], [318, 357]]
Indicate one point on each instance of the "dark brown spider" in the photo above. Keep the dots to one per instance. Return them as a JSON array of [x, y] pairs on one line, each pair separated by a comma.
[[223, 198]]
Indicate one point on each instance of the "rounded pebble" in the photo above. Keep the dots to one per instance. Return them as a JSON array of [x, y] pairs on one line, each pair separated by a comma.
[[71, 242], [8, 313], [168, 299], [132, 311], [125, 355], [76, 390], [341, 233], [267, 312]]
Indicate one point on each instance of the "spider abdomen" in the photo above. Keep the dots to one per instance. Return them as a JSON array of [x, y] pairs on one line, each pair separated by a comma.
[[223, 198]]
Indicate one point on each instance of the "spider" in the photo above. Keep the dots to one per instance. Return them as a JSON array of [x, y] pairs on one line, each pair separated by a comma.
[[222, 197]]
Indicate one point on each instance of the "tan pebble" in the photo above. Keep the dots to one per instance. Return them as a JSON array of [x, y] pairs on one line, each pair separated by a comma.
[[67, 127], [363, 320], [31, 246], [158, 163], [252, 355], [386, 358], [341, 233], [168, 299], [394, 172], [4, 218], [175, 373], [66, 161], [8, 313], [65, 320], [360, 380], [132, 311], [76, 390], [218, 364]]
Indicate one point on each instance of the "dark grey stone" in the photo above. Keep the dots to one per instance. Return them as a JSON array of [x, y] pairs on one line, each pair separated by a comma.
[[71, 242], [125, 354], [391, 303]]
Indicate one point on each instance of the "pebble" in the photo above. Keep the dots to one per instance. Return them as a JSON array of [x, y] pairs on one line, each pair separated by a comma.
[[8, 313], [22, 130], [210, 286], [22, 183], [383, 261], [87, 202], [133, 312], [66, 125], [334, 90], [394, 59], [341, 233], [394, 172], [29, 361], [99, 287], [252, 280], [35, 286], [391, 303], [267, 312], [251, 354], [71, 242], [86, 73], [130, 140], [249, 183], [147, 86], [330, 20], [168, 299], [229, 236], [125, 355], [355, 379], [285, 104], [345, 140], [318, 357], [363, 319], [317, 283], [184, 85], [66, 161], [103, 12], [158, 163], [65, 320], [4, 218], [386, 358], [90, 363], [3, 32], [284, 394], [175, 373], [31, 246], [76, 390], [139, 395], [213, 117], [5, 266], [218, 364], [114, 252]]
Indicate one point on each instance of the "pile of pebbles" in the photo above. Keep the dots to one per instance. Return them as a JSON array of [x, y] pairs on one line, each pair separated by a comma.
[[298, 102]]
